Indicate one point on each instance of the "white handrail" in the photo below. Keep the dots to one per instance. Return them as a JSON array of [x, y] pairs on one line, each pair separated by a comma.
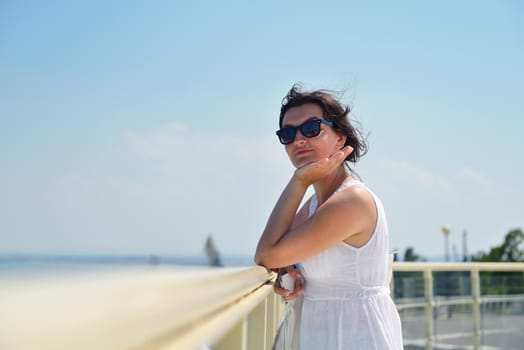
[[127, 309]]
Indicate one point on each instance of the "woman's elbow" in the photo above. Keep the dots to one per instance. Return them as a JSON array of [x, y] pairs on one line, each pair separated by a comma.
[[259, 259], [265, 261]]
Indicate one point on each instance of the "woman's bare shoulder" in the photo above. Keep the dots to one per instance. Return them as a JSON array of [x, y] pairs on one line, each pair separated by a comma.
[[354, 196]]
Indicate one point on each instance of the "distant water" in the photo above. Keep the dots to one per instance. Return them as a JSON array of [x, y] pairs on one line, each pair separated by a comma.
[[44, 264]]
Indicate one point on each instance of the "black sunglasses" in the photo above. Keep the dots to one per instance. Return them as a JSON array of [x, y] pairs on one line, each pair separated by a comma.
[[309, 129]]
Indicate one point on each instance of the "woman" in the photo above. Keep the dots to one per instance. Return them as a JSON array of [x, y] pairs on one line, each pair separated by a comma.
[[339, 238]]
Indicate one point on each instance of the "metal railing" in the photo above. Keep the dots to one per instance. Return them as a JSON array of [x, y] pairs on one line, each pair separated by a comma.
[[474, 297], [230, 308]]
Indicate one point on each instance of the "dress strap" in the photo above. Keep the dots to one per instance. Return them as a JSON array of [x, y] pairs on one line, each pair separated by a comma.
[[349, 184]]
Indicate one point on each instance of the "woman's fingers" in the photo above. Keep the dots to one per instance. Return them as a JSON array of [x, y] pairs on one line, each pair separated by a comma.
[[281, 291], [287, 294], [298, 287], [315, 171], [296, 293], [291, 296], [339, 156], [335, 160], [294, 273]]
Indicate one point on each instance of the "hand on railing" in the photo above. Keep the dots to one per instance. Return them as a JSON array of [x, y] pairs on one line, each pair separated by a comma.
[[290, 283]]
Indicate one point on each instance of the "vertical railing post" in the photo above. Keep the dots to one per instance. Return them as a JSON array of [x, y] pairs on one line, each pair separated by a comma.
[[475, 291], [257, 326], [275, 316], [271, 320], [235, 339], [428, 291]]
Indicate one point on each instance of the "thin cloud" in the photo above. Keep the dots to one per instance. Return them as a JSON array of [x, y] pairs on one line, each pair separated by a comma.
[[476, 178], [174, 143], [434, 184]]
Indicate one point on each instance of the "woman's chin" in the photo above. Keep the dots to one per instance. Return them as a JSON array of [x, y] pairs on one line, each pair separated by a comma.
[[302, 163]]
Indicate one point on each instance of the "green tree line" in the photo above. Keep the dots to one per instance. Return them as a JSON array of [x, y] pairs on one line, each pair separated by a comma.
[[509, 251]]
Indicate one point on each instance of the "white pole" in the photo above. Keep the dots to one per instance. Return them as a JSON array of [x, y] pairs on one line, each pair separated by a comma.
[[428, 291]]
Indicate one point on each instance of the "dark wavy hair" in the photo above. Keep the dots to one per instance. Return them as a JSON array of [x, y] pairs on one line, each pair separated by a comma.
[[333, 110]]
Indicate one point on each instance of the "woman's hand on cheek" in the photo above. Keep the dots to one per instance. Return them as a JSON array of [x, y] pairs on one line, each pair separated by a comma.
[[310, 173]]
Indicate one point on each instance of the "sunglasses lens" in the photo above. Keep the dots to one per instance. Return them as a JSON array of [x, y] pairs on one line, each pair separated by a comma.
[[311, 128], [308, 129], [287, 135]]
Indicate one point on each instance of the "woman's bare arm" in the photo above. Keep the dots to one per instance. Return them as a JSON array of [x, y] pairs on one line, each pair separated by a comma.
[[342, 215], [347, 214]]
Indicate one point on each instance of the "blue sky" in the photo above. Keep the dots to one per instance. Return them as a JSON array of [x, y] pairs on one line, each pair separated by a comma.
[[140, 127]]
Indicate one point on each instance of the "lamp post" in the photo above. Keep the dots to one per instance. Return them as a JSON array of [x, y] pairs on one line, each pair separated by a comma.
[[445, 230]]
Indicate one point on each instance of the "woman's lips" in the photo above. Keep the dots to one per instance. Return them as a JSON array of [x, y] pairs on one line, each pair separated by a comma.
[[301, 152]]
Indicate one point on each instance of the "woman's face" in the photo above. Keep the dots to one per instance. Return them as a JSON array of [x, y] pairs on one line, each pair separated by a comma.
[[303, 150]]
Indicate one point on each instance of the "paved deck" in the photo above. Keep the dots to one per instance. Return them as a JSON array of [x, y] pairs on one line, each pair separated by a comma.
[[499, 332]]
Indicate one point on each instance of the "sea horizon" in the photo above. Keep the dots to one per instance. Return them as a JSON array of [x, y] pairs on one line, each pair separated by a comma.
[[20, 263]]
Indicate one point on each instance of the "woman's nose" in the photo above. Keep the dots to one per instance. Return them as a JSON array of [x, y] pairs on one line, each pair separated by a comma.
[[299, 138]]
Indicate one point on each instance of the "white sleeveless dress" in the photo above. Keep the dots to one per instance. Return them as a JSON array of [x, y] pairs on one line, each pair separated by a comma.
[[346, 294]]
